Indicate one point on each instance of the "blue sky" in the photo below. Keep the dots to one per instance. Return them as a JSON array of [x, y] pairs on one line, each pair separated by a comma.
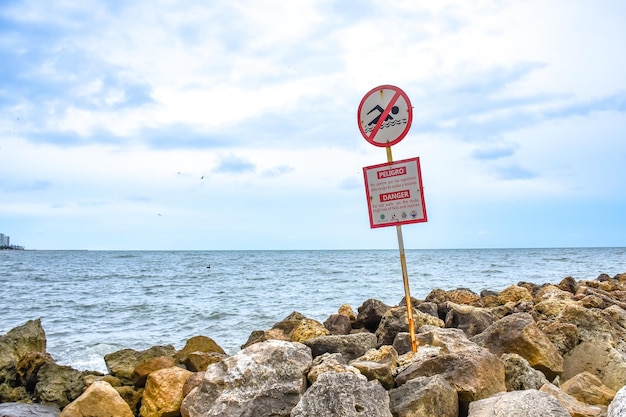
[[232, 124]]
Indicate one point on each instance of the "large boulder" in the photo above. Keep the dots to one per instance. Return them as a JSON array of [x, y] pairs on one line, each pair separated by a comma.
[[122, 363], [474, 372], [599, 358], [266, 378], [351, 346], [15, 344], [57, 384], [395, 321], [424, 396], [163, 395], [342, 394], [99, 400], [518, 333], [528, 403]]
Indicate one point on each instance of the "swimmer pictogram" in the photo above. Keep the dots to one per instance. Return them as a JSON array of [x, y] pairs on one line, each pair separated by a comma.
[[385, 115]]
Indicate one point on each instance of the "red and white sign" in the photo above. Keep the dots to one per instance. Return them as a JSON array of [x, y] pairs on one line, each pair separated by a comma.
[[394, 193], [385, 115]]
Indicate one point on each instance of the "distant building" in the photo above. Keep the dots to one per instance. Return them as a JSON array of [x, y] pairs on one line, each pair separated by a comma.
[[5, 240]]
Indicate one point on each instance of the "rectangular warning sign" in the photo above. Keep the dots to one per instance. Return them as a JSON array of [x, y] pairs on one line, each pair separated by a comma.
[[394, 193]]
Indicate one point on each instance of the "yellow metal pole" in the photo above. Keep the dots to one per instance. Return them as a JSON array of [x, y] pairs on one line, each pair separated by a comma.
[[405, 277]]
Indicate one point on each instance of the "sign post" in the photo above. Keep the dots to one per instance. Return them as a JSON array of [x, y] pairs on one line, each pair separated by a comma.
[[394, 190]]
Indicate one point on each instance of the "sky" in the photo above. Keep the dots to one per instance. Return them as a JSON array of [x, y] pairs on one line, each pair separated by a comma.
[[232, 125]]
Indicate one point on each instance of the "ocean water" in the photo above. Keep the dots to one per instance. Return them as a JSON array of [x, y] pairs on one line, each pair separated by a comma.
[[95, 302]]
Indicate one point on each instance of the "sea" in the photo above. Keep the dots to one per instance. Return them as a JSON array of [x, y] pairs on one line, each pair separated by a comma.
[[92, 303]]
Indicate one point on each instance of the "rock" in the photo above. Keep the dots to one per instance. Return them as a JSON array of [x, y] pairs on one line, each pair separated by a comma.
[[568, 284], [329, 362], [519, 375], [378, 364], [589, 389], [424, 396], [338, 324], [599, 358], [350, 346], [163, 395], [617, 408], [194, 380], [395, 321], [122, 363], [343, 394], [198, 344], [99, 400], [592, 325], [28, 410], [308, 329], [294, 328], [551, 300], [16, 343], [370, 314], [431, 309], [474, 372], [199, 361], [528, 403], [514, 294], [131, 396], [402, 343], [58, 384], [451, 340], [265, 379], [564, 336], [518, 333], [471, 320], [141, 372], [28, 366], [571, 404], [346, 310]]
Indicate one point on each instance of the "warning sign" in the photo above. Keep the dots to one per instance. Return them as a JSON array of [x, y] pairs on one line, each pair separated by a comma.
[[394, 193], [384, 115]]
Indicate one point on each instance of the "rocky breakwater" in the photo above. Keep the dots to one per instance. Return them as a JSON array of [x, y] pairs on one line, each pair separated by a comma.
[[530, 350]]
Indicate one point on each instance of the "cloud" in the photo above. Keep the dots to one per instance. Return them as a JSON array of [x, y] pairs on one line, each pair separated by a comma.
[[497, 151], [234, 164]]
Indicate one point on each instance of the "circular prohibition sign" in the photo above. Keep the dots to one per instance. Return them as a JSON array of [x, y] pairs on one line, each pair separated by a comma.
[[385, 115]]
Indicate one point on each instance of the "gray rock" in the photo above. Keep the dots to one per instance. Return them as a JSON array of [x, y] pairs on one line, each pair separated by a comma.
[[617, 408], [471, 320], [343, 394], [351, 346], [338, 324], [528, 403], [370, 314], [28, 410], [519, 375], [265, 379], [424, 396]]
